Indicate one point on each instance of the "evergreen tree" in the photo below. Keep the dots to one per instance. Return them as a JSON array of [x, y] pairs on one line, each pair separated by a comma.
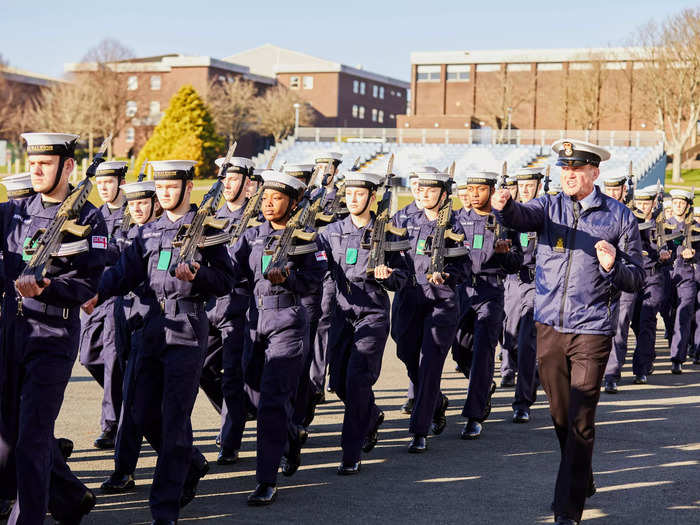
[[186, 132]]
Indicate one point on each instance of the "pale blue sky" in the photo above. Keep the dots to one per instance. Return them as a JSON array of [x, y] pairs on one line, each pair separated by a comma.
[[41, 35]]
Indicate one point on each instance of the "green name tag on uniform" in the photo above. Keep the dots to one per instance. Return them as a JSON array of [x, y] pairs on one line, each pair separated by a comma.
[[478, 241], [266, 262], [351, 256], [524, 240], [25, 256], [420, 247], [164, 259]]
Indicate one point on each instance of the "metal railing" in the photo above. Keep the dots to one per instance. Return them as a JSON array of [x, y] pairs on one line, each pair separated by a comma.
[[541, 137]]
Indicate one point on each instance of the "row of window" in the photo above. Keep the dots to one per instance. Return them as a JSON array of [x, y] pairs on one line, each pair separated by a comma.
[[132, 83], [132, 107], [377, 114], [307, 82], [460, 72], [359, 87]]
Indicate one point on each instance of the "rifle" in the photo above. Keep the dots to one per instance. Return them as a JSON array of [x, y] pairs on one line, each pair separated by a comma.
[[190, 237], [357, 163], [48, 242], [378, 244], [293, 230], [689, 227], [629, 195], [547, 180], [252, 208], [127, 220], [436, 242]]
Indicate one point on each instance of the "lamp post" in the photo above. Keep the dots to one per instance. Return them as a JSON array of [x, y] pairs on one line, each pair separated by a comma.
[[296, 118]]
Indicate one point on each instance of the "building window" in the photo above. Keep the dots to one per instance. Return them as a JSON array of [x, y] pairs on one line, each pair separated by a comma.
[[132, 83], [308, 82], [355, 86], [428, 73], [130, 134], [361, 112], [458, 73], [131, 108], [391, 116], [398, 94], [375, 91], [381, 92], [550, 67], [294, 82], [154, 108], [155, 83], [380, 116], [362, 89], [374, 115], [354, 110], [488, 68]]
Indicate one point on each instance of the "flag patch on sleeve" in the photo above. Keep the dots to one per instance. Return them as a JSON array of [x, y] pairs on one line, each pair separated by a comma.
[[321, 256], [99, 241]]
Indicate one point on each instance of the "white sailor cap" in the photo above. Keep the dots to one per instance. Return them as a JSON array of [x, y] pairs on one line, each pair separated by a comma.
[[579, 153], [139, 190], [238, 165], [682, 194], [173, 169], [114, 168], [303, 171], [614, 181], [62, 144], [529, 174], [276, 180], [415, 170], [667, 203], [696, 210], [554, 188], [18, 186], [511, 181], [360, 179], [647, 193], [329, 156], [480, 177], [440, 180]]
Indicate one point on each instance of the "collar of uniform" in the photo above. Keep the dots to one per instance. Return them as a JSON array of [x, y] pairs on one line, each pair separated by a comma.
[[107, 212], [592, 199], [349, 227], [35, 208], [165, 223], [225, 213]]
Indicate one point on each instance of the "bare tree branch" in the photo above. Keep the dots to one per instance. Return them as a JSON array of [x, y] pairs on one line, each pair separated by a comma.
[[232, 105], [274, 113]]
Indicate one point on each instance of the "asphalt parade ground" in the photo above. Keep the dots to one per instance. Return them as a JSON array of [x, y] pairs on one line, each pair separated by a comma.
[[646, 461]]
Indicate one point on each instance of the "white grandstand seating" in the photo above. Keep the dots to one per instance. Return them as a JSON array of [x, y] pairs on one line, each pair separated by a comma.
[[374, 157]]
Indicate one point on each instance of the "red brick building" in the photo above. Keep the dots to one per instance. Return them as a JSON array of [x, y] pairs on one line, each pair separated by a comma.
[[544, 89], [151, 83], [340, 95]]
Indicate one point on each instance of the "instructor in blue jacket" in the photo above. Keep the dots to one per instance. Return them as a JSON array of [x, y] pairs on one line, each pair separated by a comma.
[[579, 276]]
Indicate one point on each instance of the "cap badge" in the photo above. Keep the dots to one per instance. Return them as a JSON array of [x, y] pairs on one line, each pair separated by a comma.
[[568, 149]]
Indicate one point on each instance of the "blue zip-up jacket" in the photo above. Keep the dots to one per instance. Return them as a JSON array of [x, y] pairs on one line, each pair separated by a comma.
[[574, 294]]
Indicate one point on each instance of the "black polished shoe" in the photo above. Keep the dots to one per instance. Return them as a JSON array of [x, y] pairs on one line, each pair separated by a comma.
[[83, 509], [407, 407], [117, 483], [676, 368], [373, 436], [5, 508], [521, 415], [189, 490], [610, 386], [439, 418], [264, 494], [419, 444], [106, 440], [163, 522], [563, 520], [227, 456], [472, 430], [508, 381], [65, 445], [640, 380], [292, 460], [349, 469]]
